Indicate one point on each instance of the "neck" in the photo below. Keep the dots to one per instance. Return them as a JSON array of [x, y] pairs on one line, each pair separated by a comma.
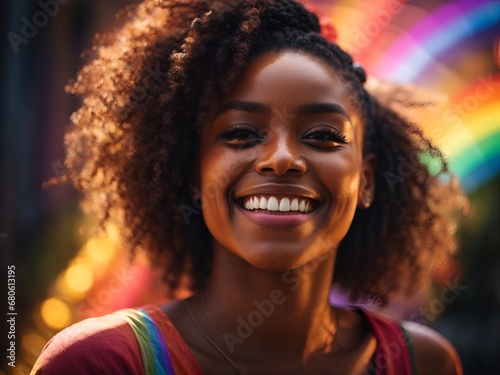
[[250, 310]]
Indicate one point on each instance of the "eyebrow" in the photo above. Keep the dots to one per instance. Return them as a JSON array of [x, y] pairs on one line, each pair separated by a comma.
[[319, 108], [303, 110], [243, 106]]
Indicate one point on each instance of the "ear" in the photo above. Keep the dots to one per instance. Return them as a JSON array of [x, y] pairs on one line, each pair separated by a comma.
[[366, 192]]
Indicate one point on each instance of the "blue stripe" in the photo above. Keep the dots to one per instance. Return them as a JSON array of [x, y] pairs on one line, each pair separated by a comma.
[[162, 355]]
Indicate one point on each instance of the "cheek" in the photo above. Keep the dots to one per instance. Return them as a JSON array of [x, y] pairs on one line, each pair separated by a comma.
[[219, 169], [213, 179], [342, 184], [340, 175], [212, 187]]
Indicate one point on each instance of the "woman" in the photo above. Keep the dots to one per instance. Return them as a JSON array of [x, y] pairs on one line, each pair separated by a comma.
[[241, 151]]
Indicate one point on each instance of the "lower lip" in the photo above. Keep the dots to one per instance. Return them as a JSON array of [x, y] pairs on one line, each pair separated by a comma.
[[279, 219]]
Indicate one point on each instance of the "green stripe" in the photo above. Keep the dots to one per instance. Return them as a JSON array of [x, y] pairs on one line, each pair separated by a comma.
[[141, 333], [477, 154], [154, 338]]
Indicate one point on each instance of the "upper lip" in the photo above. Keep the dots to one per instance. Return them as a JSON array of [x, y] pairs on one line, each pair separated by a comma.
[[285, 190]]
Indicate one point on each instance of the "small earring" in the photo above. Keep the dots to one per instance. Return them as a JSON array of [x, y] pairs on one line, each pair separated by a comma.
[[367, 204]]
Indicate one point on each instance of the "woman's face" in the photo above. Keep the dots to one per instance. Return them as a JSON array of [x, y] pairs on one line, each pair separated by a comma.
[[281, 165]]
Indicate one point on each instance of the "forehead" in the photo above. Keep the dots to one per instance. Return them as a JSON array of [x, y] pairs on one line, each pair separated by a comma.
[[289, 79]]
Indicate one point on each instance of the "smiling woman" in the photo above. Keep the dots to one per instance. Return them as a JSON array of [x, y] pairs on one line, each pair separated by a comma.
[[266, 126], [311, 160]]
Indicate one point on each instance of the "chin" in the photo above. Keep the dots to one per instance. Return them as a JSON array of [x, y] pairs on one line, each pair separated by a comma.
[[276, 259]]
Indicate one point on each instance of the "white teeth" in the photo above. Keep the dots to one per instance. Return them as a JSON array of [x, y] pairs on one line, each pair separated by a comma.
[[302, 206], [285, 205], [272, 205], [263, 203], [256, 202]]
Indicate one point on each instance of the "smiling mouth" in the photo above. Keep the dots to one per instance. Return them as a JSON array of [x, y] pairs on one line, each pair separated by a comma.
[[273, 204]]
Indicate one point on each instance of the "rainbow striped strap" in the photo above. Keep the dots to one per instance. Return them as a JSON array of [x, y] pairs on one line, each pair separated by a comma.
[[154, 352]]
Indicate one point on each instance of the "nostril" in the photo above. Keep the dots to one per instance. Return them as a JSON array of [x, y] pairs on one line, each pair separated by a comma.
[[280, 164], [267, 170], [279, 171]]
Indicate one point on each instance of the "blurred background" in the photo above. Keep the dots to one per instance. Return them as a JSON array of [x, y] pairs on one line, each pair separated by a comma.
[[65, 273]]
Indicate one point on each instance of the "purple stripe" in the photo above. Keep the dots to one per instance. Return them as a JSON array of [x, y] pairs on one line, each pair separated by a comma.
[[421, 32], [165, 354]]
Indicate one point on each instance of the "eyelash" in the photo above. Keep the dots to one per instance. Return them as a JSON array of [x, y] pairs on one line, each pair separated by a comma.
[[326, 134], [239, 135], [246, 136]]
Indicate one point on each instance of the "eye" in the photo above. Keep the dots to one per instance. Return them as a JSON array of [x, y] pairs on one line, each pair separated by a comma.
[[325, 137], [241, 135]]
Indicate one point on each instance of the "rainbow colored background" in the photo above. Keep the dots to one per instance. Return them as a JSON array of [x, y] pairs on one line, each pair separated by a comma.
[[451, 48]]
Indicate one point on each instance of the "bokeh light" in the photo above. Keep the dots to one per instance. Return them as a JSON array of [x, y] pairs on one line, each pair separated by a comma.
[[33, 342], [100, 249], [55, 313], [79, 278]]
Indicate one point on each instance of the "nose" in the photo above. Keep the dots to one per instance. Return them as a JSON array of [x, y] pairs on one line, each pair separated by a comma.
[[281, 156]]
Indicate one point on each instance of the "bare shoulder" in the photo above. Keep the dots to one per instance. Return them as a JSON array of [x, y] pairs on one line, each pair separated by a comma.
[[433, 353]]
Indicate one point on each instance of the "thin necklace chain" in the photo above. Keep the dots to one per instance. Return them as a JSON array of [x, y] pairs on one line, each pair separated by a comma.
[[187, 303], [238, 370]]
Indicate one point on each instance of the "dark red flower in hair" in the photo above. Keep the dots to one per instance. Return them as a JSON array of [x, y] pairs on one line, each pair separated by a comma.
[[327, 29]]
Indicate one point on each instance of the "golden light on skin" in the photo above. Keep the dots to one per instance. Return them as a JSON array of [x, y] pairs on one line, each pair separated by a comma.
[[100, 249], [55, 313], [78, 278]]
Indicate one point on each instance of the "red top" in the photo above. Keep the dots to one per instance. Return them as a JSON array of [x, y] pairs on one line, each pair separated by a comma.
[[107, 345], [394, 353]]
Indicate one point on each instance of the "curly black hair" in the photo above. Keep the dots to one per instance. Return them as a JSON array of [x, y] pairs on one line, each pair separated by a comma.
[[146, 95]]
